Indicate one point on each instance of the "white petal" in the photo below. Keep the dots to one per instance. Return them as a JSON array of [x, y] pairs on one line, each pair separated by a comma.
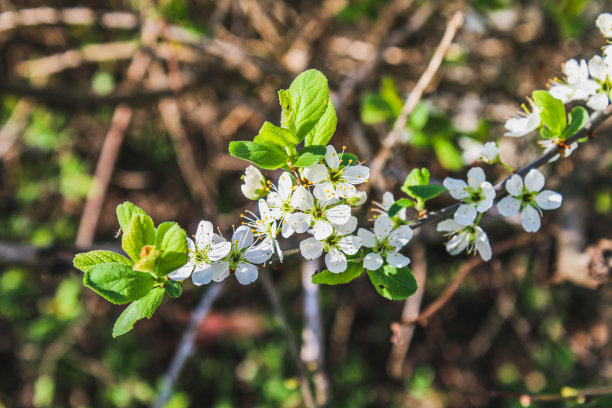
[[322, 229], [242, 237], [325, 191], [350, 244], [465, 214], [482, 244], [202, 275], [397, 260], [287, 230], [534, 180], [316, 173], [335, 261], [457, 243], [260, 253], [448, 226], [345, 190], [356, 174], [456, 188], [302, 199], [597, 68], [339, 214], [219, 251], [549, 200], [299, 222], [372, 261], [367, 238], [598, 102], [530, 219], [268, 215], [284, 185], [604, 23], [485, 204], [311, 248], [331, 158], [387, 200], [508, 206], [181, 273], [514, 185], [382, 227], [400, 236], [476, 176], [274, 200], [204, 233], [246, 273], [348, 227], [220, 270]]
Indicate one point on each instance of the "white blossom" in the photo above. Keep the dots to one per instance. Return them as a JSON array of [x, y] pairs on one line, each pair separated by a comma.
[[462, 237], [564, 149], [527, 198], [385, 242], [470, 149], [203, 254], [523, 122], [387, 201], [577, 85], [476, 195], [490, 152], [242, 257], [254, 186], [265, 227], [337, 245], [604, 23], [280, 198], [335, 180]]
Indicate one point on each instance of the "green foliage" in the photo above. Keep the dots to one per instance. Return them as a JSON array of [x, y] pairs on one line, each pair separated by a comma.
[[393, 283], [307, 116], [118, 283], [569, 15], [142, 280], [417, 186], [426, 192], [85, 260], [353, 270], [103, 83], [144, 307], [578, 117], [552, 112]]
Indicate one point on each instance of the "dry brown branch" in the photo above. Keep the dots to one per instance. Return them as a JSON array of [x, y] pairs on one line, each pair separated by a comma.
[[403, 336], [272, 295], [110, 150], [412, 100], [31, 17], [568, 394]]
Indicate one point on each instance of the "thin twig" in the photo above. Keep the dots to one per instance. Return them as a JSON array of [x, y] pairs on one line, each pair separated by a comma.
[[413, 99], [185, 347], [569, 394], [293, 347], [312, 347]]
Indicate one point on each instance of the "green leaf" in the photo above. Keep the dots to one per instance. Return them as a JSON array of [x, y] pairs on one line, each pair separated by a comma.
[[310, 155], [324, 129], [353, 270], [140, 232], [348, 159], [140, 309], [277, 135], [448, 155], [172, 241], [125, 212], [374, 109], [546, 133], [398, 205], [84, 261], [309, 97], [426, 192], [117, 282], [392, 283], [265, 156], [578, 117], [419, 116], [173, 288], [552, 111], [286, 103], [417, 177]]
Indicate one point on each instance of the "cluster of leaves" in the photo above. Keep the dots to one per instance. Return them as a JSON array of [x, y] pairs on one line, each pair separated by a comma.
[[308, 116], [557, 124], [140, 280], [417, 187]]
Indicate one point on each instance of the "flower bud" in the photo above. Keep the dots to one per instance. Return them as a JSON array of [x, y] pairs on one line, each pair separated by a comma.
[[254, 186], [490, 152], [358, 199]]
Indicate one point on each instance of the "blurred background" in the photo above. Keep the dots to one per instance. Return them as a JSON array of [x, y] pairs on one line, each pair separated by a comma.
[[103, 102]]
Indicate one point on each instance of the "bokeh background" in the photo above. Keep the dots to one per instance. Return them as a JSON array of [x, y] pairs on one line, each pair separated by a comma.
[[103, 102]]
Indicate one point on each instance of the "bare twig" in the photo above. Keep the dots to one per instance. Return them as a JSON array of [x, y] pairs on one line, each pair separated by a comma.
[[567, 394], [185, 347], [264, 277], [413, 99], [15, 125], [313, 352]]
